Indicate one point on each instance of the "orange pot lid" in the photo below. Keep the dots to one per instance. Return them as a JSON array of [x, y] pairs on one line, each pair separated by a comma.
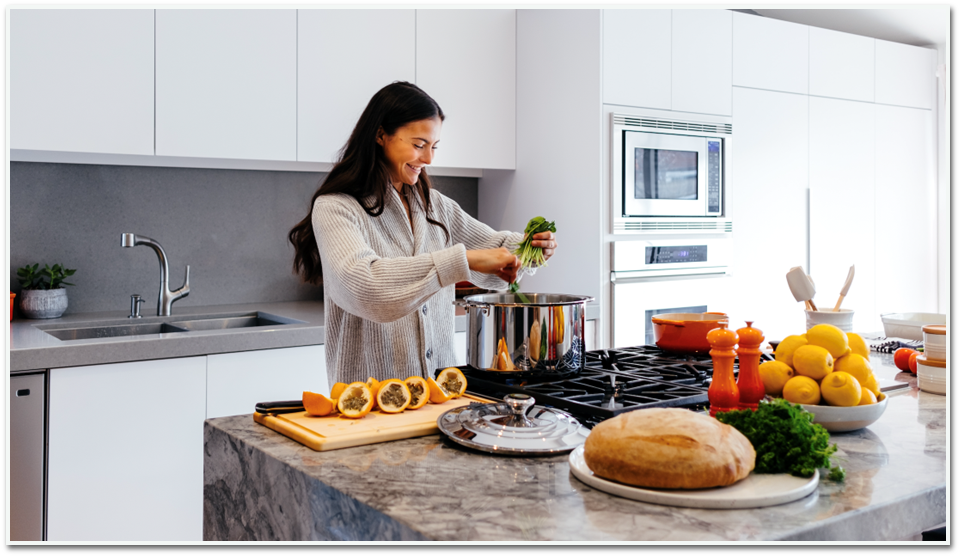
[[935, 329]]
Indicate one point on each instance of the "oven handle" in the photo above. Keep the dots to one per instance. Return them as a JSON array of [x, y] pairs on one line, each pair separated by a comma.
[[642, 276]]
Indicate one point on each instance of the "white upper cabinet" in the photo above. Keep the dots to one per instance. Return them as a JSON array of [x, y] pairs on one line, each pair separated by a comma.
[[701, 61], [332, 91], [769, 205], [227, 83], [770, 54], [466, 61], [636, 58], [906, 209], [906, 75], [843, 206], [81, 80], [841, 65]]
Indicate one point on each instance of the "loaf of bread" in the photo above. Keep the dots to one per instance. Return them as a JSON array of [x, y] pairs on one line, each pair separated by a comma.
[[668, 448]]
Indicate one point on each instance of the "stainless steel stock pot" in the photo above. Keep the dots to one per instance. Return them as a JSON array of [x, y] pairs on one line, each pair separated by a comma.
[[544, 334]]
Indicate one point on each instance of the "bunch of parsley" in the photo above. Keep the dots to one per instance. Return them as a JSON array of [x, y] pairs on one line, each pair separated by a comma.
[[785, 438], [529, 256]]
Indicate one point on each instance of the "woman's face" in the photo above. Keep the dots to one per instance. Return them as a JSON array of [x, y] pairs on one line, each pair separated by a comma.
[[410, 149]]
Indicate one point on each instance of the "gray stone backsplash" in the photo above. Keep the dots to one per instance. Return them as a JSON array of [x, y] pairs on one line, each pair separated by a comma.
[[230, 226]]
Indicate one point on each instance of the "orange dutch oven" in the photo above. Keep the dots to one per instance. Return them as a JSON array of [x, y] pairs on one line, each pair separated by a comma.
[[685, 332]]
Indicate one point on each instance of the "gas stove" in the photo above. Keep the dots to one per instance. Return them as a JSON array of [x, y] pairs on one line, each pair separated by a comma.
[[613, 381]]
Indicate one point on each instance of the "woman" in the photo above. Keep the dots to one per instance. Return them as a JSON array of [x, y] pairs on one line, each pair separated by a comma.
[[389, 250]]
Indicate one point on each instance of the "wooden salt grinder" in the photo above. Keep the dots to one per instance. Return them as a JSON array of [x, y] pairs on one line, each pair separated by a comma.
[[723, 393], [749, 382]]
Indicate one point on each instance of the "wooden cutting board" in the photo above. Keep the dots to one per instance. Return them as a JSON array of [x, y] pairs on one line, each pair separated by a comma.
[[325, 433]]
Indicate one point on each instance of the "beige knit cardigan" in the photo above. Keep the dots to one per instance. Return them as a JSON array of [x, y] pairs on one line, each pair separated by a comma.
[[388, 290]]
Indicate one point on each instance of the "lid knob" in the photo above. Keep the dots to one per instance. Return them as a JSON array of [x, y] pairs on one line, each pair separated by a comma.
[[518, 404]]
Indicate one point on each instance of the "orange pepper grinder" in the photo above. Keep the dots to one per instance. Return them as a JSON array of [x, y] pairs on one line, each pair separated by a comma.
[[749, 383], [723, 393]]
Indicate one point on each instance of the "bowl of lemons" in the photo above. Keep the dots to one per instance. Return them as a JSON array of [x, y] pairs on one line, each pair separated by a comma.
[[828, 372]]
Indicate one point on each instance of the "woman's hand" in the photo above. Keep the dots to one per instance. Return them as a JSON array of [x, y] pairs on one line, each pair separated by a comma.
[[546, 241], [497, 261]]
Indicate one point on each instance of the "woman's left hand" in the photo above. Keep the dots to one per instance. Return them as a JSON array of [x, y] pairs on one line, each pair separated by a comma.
[[546, 241]]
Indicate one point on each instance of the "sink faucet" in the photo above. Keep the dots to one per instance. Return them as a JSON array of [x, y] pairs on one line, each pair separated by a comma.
[[166, 297]]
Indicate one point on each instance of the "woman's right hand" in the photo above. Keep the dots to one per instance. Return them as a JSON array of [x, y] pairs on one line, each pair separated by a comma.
[[497, 261]]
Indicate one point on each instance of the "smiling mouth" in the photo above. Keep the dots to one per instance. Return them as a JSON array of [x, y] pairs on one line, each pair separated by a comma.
[[414, 168]]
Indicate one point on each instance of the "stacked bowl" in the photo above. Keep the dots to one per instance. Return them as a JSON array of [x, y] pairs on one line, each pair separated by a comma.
[[932, 364]]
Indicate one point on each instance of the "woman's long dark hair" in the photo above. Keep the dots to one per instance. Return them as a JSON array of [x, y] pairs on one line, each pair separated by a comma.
[[361, 170]]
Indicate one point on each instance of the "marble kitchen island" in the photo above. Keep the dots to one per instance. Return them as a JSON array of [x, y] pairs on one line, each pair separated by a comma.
[[260, 485]]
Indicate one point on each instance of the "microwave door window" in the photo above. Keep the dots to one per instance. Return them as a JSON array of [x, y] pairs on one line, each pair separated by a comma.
[[665, 174]]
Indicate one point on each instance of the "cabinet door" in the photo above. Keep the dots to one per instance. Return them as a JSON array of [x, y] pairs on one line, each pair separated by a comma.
[[237, 382], [906, 75], [331, 92], [842, 206], [841, 65], [126, 451], [906, 208], [227, 83], [82, 80], [26, 457], [466, 61], [701, 61], [636, 58], [769, 206], [770, 54]]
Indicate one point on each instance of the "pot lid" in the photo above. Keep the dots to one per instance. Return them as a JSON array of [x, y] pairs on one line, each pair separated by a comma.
[[514, 426]]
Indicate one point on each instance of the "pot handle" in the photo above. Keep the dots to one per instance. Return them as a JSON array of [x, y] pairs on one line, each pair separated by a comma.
[[485, 308], [669, 322]]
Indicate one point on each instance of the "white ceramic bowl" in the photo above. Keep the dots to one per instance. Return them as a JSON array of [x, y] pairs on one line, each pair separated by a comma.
[[847, 418], [909, 325], [842, 319]]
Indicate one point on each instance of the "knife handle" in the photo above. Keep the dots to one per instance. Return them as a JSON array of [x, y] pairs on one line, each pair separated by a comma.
[[279, 407]]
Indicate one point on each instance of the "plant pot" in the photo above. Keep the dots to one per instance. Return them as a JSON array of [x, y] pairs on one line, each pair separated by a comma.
[[43, 304]]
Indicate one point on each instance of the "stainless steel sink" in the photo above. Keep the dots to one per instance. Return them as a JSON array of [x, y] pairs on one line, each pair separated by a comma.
[[256, 319], [192, 324], [114, 331]]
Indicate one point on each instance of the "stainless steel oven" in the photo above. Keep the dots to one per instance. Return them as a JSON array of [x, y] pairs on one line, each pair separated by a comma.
[[667, 169]]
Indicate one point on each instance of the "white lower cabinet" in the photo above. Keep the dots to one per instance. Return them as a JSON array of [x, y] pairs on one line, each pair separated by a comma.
[[237, 381], [126, 440], [126, 451]]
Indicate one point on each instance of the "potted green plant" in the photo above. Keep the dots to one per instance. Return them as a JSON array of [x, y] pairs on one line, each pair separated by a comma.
[[43, 295]]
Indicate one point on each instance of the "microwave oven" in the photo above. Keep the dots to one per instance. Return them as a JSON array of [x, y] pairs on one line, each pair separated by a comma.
[[665, 169]]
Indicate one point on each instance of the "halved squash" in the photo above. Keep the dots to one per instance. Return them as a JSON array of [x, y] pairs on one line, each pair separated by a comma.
[[393, 396], [337, 389], [317, 404], [438, 395], [419, 391], [452, 381], [356, 401]]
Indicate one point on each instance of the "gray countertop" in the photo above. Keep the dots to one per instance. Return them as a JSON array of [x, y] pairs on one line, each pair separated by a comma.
[[260, 485], [31, 348]]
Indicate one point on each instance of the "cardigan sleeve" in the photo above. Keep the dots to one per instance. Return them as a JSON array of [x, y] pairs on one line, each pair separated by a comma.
[[474, 234], [376, 288]]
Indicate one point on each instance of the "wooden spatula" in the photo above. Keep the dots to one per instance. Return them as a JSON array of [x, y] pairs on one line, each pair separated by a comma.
[[801, 286], [845, 289]]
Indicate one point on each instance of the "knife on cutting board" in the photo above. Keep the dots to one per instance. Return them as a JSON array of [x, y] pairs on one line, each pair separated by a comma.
[[280, 407]]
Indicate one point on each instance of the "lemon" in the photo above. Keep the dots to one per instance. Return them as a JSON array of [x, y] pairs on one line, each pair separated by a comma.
[[856, 365], [867, 397], [829, 337], [774, 376], [801, 390], [787, 347], [812, 361], [871, 385], [841, 389], [858, 345]]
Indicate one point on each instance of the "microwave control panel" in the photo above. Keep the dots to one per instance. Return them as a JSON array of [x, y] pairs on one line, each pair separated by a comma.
[[713, 176]]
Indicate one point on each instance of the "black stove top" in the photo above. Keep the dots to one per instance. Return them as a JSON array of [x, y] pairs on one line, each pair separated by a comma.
[[612, 381]]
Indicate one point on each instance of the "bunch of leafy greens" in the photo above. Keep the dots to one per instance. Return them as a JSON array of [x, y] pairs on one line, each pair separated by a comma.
[[785, 438], [529, 256]]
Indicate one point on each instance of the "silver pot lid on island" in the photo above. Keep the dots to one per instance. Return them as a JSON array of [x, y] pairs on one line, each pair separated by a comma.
[[514, 426]]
